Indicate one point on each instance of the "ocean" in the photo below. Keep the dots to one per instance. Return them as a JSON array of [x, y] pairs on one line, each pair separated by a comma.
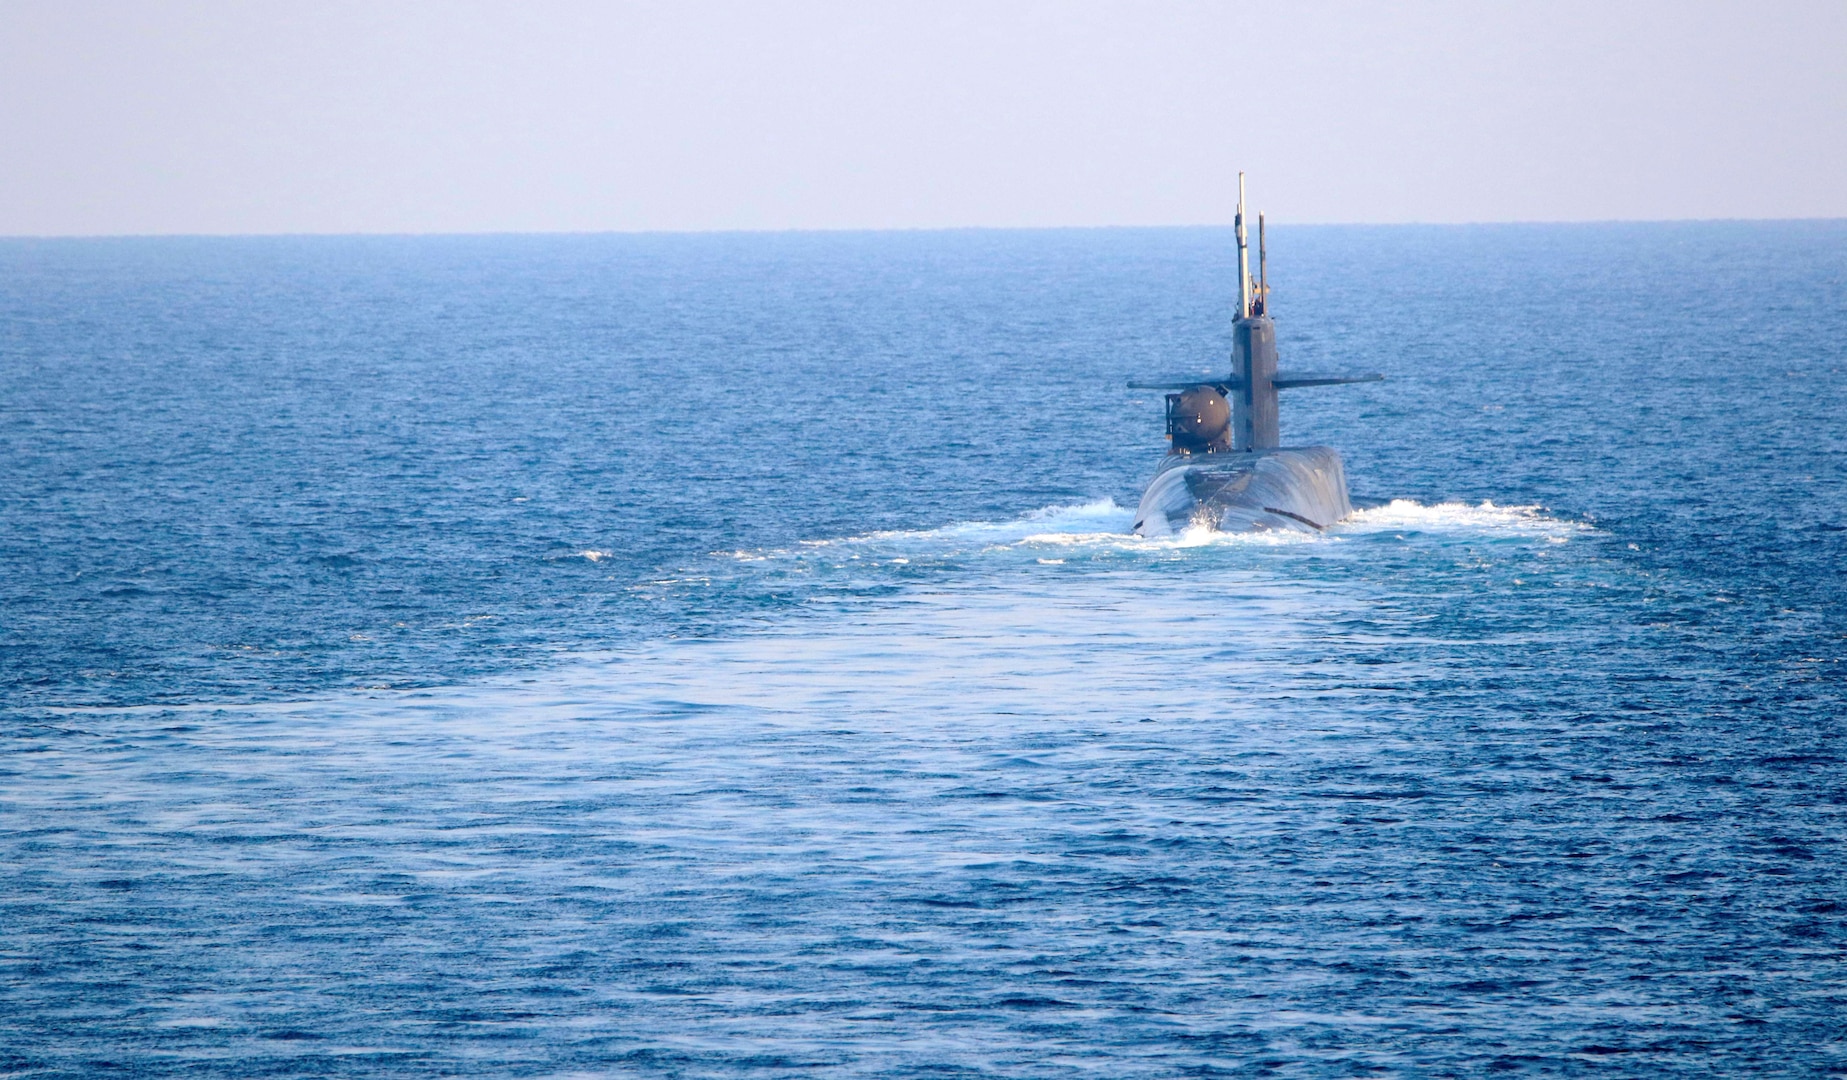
[[726, 656]]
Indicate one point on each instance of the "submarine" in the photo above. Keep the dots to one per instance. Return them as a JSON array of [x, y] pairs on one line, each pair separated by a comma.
[[1227, 468]]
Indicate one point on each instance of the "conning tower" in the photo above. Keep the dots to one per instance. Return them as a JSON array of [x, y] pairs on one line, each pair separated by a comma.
[[1250, 390], [1253, 349]]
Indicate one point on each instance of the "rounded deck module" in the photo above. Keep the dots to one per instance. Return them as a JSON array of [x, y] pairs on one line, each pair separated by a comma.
[[1227, 469]]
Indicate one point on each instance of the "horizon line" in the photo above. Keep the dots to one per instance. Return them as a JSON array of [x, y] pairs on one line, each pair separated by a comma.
[[856, 229]]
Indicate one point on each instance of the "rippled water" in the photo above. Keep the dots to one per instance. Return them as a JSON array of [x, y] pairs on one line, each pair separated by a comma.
[[726, 656]]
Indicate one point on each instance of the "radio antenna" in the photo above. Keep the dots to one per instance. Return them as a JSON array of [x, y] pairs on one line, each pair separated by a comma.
[[1244, 258], [1263, 270]]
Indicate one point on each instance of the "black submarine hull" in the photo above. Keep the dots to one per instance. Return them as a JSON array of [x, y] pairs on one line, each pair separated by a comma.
[[1286, 489]]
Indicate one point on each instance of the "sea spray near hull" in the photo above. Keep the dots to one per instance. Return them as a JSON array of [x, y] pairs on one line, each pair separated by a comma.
[[1300, 489]]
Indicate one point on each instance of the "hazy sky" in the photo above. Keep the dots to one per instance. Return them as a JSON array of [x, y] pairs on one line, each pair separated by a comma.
[[449, 117]]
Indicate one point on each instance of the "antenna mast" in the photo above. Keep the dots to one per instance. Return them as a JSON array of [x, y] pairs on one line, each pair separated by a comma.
[[1263, 270], [1244, 258]]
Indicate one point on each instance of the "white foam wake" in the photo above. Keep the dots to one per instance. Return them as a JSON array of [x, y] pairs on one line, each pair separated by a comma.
[[1054, 532], [1098, 526], [1406, 515]]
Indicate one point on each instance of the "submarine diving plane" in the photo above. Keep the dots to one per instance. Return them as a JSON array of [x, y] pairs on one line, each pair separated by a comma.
[[1227, 469]]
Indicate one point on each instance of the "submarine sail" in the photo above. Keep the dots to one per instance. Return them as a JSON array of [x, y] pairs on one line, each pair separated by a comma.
[[1227, 468]]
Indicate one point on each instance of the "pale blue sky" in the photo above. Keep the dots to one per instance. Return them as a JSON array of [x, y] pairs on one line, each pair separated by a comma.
[[464, 117]]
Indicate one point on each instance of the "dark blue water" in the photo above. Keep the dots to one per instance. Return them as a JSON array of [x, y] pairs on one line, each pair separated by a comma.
[[724, 656]]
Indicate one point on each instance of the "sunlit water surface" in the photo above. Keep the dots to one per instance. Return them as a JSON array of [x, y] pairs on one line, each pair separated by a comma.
[[727, 657]]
